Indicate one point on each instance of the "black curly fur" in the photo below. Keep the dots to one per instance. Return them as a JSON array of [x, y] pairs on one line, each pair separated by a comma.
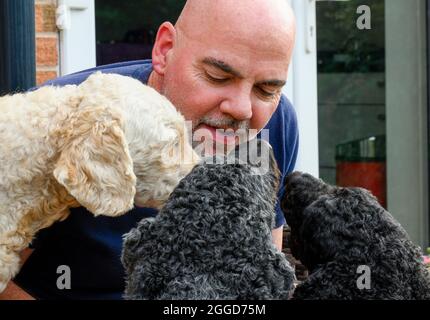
[[335, 230], [212, 240]]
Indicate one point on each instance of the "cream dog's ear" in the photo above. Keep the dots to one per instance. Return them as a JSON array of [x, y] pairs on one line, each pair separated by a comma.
[[95, 166]]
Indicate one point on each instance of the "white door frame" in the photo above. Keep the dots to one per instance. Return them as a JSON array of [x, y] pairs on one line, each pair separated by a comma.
[[302, 88], [76, 21]]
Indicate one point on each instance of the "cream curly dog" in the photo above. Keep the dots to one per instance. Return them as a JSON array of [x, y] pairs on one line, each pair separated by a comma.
[[105, 144]]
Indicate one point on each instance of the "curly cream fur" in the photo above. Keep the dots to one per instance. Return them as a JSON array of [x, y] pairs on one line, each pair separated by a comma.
[[101, 145]]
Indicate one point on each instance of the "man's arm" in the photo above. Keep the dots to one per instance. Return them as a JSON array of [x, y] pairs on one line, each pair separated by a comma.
[[277, 237], [14, 292]]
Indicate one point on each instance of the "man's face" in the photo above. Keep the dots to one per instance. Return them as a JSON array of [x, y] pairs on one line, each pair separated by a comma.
[[224, 81]]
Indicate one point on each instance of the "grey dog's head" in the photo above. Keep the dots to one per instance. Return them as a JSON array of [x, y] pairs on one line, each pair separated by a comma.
[[250, 167], [215, 227]]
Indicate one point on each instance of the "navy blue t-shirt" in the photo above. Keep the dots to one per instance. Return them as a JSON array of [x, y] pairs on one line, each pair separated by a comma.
[[91, 246]]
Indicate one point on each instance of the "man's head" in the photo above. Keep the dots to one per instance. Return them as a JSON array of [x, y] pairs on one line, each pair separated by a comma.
[[224, 63]]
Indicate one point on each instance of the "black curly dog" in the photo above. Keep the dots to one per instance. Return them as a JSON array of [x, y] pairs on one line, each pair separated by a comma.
[[212, 239], [336, 230]]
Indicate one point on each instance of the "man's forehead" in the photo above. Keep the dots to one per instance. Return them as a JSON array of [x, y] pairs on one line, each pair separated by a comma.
[[265, 24], [260, 44]]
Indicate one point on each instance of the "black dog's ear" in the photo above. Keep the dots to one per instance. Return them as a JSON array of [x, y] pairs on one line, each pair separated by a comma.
[[305, 188], [320, 232], [295, 199], [301, 190]]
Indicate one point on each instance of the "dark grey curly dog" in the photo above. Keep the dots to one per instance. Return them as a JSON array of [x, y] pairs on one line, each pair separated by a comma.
[[212, 239], [336, 230]]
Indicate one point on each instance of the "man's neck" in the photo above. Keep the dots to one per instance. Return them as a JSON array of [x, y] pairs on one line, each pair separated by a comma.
[[155, 81]]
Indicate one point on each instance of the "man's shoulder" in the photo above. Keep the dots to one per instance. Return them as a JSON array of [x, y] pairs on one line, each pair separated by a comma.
[[138, 69], [285, 106]]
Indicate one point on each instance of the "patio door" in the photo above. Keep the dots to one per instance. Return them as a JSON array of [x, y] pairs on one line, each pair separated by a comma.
[[372, 103]]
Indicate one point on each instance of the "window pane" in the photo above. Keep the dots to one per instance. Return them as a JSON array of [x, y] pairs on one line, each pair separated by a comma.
[[351, 94], [125, 30]]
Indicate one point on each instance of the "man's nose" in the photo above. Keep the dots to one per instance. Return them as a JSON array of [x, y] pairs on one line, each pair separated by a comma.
[[238, 105]]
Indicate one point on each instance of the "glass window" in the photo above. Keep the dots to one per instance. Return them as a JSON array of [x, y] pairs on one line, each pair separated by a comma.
[[126, 30], [372, 103], [351, 94]]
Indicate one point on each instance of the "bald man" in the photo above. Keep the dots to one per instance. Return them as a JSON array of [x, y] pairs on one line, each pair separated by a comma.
[[223, 65]]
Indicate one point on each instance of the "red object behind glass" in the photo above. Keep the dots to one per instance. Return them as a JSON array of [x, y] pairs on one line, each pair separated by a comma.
[[362, 163], [368, 175]]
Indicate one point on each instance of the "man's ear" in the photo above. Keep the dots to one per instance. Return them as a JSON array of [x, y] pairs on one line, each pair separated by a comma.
[[164, 42], [96, 168]]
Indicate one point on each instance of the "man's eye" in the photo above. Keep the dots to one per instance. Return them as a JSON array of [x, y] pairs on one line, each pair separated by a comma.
[[266, 94], [216, 79]]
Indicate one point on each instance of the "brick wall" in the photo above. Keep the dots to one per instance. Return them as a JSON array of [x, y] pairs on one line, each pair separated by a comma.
[[47, 41]]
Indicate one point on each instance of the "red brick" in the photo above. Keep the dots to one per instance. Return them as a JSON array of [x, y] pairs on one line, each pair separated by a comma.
[[46, 51], [45, 18], [43, 76]]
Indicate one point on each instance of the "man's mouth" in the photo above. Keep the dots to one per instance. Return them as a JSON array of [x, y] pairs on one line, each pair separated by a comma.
[[223, 135]]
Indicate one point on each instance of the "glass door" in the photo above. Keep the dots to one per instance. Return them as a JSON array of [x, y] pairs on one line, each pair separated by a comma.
[[372, 106], [351, 94]]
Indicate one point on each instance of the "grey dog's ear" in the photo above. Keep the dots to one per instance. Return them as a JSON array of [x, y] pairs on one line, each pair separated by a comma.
[[95, 165], [257, 153]]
